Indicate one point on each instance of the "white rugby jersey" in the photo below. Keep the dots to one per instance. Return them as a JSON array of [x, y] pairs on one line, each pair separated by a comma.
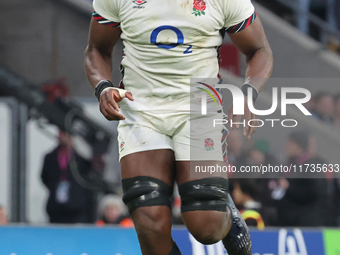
[[168, 42]]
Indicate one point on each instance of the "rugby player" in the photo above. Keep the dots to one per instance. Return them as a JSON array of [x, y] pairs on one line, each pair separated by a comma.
[[166, 44]]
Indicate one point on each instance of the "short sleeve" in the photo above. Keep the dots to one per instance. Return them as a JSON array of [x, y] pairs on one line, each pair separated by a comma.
[[106, 11], [238, 11]]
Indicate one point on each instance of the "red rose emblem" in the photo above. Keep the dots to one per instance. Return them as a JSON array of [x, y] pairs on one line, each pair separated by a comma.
[[199, 5], [209, 142]]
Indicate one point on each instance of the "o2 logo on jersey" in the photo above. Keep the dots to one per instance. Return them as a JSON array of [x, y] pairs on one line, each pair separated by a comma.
[[139, 3], [180, 38]]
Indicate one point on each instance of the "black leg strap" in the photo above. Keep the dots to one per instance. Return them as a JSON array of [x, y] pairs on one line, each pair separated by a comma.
[[144, 191], [204, 195]]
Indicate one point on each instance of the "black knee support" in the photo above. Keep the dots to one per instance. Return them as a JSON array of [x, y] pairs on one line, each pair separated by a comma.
[[204, 195], [144, 191]]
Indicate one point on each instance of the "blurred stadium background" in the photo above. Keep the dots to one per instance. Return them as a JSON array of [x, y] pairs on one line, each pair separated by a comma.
[[43, 89]]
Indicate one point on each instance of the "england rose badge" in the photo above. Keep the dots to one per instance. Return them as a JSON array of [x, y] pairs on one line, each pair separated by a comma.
[[199, 7]]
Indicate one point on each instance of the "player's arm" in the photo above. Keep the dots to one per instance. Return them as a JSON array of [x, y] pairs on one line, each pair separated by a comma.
[[253, 43], [98, 67]]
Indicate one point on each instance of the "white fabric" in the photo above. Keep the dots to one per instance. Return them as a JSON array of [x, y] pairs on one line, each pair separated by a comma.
[[121, 92], [185, 134], [158, 77]]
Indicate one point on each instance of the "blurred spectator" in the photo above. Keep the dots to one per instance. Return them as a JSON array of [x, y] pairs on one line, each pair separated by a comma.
[[260, 155], [335, 201], [324, 107], [333, 184], [318, 8], [337, 109], [312, 147], [3, 216], [302, 18], [303, 202], [111, 210], [68, 201], [310, 105], [246, 193], [279, 9]]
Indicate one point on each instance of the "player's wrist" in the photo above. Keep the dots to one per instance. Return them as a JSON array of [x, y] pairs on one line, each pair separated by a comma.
[[101, 86], [255, 92]]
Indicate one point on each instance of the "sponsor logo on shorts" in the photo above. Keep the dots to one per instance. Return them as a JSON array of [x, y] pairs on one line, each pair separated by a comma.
[[121, 146], [209, 144], [139, 4]]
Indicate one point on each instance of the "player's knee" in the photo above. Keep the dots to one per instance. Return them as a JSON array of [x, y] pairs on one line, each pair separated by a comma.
[[149, 200], [208, 194], [207, 227], [144, 191], [204, 207], [207, 238], [207, 235], [155, 220]]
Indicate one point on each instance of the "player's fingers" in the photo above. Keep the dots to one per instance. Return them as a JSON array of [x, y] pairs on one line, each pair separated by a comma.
[[118, 116], [106, 114], [251, 132], [238, 120], [254, 126], [129, 96], [103, 111], [122, 93], [106, 109], [246, 121], [109, 97], [114, 116], [109, 112]]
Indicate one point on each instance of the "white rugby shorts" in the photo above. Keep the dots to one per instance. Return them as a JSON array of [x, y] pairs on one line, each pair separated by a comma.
[[190, 137]]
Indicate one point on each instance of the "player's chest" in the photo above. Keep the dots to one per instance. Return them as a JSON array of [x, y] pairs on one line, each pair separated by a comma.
[[205, 15]]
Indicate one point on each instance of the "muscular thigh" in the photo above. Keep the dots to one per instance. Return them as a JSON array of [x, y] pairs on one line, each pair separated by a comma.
[[159, 164], [185, 170]]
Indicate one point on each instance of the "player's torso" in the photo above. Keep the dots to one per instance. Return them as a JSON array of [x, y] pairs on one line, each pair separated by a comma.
[[169, 23], [167, 42]]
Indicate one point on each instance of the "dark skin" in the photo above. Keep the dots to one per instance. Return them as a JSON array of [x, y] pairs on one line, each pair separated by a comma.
[[98, 66], [153, 224], [252, 42]]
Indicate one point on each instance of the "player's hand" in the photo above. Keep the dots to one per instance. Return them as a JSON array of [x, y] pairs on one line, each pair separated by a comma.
[[108, 102], [248, 131]]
